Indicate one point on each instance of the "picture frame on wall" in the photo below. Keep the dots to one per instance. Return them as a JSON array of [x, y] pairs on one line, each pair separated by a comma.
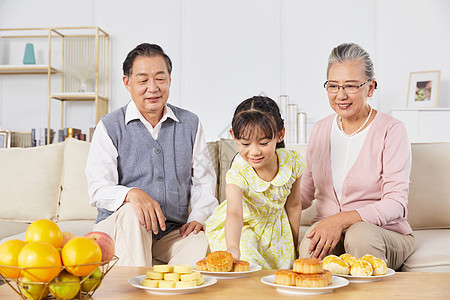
[[423, 90], [5, 138]]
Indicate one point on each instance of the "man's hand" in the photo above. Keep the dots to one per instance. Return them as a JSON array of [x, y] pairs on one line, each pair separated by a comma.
[[147, 209], [192, 226]]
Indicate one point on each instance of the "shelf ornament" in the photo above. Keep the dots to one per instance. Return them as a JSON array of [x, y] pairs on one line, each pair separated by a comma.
[[28, 58]]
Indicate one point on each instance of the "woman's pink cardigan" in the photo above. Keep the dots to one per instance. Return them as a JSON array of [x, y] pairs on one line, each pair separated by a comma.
[[376, 186]]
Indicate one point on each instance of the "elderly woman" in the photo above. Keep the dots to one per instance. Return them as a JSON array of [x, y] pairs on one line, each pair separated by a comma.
[[358, 165]]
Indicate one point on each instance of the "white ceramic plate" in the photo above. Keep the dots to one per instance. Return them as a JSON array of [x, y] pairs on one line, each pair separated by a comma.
[[338, 282], [137, 282], [360, 279], [231, 275]]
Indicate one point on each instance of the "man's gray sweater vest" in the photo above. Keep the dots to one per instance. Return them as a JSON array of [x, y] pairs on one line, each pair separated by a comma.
[[162, 167]]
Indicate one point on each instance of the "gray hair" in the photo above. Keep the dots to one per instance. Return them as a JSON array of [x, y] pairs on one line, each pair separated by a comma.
[[351, 51]]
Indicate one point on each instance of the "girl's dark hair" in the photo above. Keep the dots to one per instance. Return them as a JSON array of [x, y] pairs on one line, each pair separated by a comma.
[[257, 115]]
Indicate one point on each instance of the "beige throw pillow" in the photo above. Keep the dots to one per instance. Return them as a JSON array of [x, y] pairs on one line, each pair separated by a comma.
[[74, 203], [30, 181]]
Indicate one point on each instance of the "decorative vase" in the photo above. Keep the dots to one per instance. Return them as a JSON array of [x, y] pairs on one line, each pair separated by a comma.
[[83, 88], [28, 58]]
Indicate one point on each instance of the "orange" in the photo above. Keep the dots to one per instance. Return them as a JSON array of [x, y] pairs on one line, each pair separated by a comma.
[[44, 231], [9, 252], [41, 261], [81, 256]]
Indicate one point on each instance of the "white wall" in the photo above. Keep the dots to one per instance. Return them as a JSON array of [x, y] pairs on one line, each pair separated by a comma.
[[411, 36], [225, 51]]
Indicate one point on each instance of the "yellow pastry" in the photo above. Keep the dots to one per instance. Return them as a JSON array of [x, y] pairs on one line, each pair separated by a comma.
[[172, 276], [167, 284], [163, 268], [328, 258], [361, 268], [200, 280], [201, 265], [328, 276], [350, 260], [285, 277], [337, 266], [240, 266], [150, 282], [183, 269], [379, 266], [311, 280], [308, 265], [219, 261], [190, 276], [154, 275], [346, 255]]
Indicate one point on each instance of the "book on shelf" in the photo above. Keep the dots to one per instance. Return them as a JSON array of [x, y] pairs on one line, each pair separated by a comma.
[[33, 137], [39, 136], [89, 133], [70, 132], [20, 139]]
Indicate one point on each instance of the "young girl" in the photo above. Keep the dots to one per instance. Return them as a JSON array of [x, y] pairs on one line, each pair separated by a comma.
[[260, 219]]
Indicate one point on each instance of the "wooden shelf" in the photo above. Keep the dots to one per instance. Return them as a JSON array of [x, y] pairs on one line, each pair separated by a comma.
[[84, 52], [77, 96], [26, 69]]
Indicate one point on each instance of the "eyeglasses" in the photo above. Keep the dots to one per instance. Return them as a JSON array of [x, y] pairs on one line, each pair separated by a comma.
[[348, 88]]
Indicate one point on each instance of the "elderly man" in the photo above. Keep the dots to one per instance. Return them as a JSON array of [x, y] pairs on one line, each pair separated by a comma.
[[147, 165]]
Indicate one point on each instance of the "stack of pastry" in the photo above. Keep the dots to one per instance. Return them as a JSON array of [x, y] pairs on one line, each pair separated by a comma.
[[307, 272], [222, 261], [347, 264], [167, 276]]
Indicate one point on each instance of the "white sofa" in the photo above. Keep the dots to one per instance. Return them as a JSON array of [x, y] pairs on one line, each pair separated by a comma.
[[46, 182], [49, 182]]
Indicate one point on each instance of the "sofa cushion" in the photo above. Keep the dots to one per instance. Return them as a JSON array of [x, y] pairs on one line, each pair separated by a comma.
[[9, 228], [213, 148], [431, 253], [74, 202], [429, 194], [78, 227], [31, 179], [227, 151]]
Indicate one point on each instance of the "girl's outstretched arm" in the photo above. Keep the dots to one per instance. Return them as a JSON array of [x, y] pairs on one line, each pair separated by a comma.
[[294, 211], [234, 220]]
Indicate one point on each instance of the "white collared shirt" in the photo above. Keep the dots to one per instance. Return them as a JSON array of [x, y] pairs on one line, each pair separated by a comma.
[[102, 176]]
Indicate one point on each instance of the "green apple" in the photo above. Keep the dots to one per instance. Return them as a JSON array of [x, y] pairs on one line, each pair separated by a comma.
[[92, 281], [33, 291], [65, 286]]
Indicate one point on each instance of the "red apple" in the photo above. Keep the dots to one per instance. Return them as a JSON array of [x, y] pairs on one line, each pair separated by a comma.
[[105, 242], [67, 236]]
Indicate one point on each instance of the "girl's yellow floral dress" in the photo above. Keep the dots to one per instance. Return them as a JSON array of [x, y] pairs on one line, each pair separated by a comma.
[[266, 237]]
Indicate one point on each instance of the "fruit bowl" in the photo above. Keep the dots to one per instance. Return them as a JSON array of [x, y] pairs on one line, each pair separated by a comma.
[[65, 289]]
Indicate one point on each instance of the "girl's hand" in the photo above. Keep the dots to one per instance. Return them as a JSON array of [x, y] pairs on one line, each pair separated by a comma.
[[234, 252]]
